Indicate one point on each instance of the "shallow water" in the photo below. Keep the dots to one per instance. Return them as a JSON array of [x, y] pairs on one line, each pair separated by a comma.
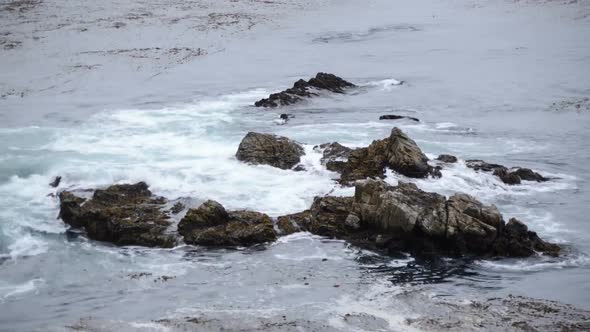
[[481, 78]]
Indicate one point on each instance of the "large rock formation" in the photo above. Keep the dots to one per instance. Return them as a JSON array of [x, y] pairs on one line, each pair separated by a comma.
[[397, 152], [276, 151], [507, 175], [125, 214], [405, 218], [211, 225], [305, 89]]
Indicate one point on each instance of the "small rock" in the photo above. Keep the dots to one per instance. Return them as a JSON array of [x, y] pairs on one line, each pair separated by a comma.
[[299, 168], [177, 208], [56, 181], [447, 158], [397, 117], [276, 151]]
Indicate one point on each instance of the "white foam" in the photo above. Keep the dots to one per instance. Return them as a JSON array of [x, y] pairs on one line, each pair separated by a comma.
[[535, 265], [377, 302], [384, 85], [7, 291]]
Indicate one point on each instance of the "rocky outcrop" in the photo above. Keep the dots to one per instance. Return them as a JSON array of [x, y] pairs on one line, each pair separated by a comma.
[[304, 89], [397, 152], [507, 175], [405, 218], [211, 225], [397, 117], [276, 151], [124, 214]]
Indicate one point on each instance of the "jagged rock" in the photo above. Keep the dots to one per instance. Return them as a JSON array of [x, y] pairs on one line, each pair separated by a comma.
[[69, 209], [518, 241], [470, 225], [398, 152], [509, 176], [304, 89], [334, 155], [329, 216], [211, 225], [506, 176], [447, 158], [405, 218], [397, 117], [276, 151], [528, 174], [125, 214]]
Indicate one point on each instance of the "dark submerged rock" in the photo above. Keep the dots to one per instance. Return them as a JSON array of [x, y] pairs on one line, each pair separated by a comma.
[[397, 117], [397, 152], [528, 174], [405, 218], [276, 151], [211, 225], [447, 158], [125, 214], [305, 89], [506, 176]]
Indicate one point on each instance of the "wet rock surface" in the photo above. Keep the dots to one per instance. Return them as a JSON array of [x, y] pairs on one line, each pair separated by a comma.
[[211, 225], [510, 313], [304, 89], [507, 313], [397, 152], [405, 218], [267, 149], [124, 214], [511, 176]]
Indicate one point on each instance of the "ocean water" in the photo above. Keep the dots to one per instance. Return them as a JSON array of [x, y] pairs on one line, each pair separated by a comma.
[[482, 79]]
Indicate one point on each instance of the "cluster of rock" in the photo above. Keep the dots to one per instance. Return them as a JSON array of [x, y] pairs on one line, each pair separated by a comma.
[[129, 214], [379, 216], [507, 175], [304, 89], [405, 218], [397, 152]]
